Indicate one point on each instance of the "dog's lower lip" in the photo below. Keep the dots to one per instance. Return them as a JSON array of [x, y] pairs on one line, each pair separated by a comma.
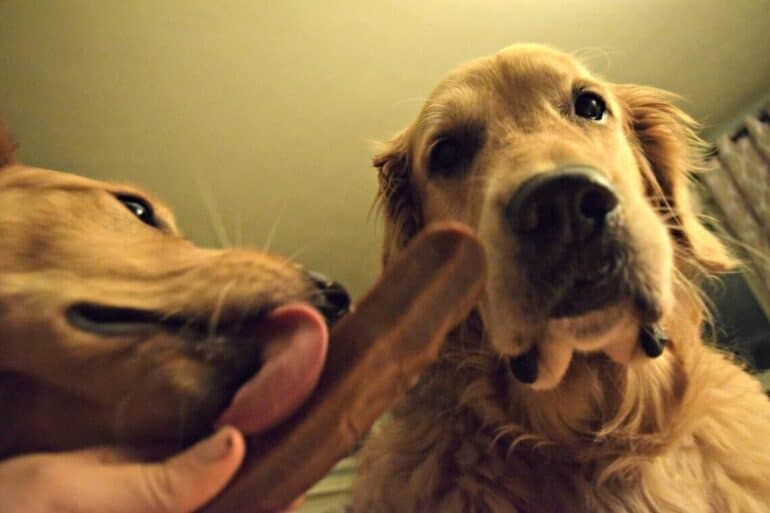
[[602, 274], [582, 300], [591, 291], [586, 296]]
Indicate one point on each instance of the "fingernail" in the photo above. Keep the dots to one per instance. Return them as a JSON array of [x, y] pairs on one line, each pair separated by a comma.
[[215, 447]]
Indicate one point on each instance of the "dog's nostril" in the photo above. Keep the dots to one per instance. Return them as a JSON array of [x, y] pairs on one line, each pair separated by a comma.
[[334, 300], [565, 204], [597, 202]]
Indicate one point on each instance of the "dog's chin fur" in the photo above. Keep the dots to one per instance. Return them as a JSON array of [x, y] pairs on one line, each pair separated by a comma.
[[605, 429], [650, 436], [612, 330]]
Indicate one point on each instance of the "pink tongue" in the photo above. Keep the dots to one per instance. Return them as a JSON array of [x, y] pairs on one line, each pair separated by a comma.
[[295, 338]]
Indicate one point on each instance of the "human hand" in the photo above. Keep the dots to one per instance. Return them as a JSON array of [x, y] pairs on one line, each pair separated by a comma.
[[112, 480]]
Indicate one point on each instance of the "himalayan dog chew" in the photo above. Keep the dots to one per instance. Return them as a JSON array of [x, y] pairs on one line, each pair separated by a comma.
[[581, 383], [116, 329]]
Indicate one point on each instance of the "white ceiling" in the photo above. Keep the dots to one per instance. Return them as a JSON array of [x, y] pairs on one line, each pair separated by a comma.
[[265, 111]]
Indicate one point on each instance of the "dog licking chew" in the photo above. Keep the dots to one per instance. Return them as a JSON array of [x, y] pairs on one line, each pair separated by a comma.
[[115, 329]]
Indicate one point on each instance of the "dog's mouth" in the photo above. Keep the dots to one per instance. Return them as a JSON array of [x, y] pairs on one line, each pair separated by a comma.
[[594, 309], [116, 321], [592, 290], [109, 320], [286, 348]]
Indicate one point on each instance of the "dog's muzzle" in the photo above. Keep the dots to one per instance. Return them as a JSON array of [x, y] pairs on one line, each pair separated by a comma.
[[331, 299], [565, 224]]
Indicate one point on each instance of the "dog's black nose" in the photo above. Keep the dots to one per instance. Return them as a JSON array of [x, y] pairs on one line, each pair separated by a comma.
[[333, 301], [562, 206]]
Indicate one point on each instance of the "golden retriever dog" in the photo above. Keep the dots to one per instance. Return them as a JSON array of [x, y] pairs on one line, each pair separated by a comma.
[[116, 329], [581, 384]]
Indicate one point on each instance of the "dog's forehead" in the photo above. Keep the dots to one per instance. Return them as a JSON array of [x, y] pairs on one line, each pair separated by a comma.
[[28, 177], [518, 71], [519, 64], [38, 179], [539, 58]]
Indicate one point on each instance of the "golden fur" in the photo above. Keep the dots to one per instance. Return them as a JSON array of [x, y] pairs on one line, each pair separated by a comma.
[[605, 429], [67, 240]]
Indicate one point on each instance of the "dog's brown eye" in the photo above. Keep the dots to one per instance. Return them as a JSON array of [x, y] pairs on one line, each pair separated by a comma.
[[140, 208], [590, 106], [453, 153], [444, 154]]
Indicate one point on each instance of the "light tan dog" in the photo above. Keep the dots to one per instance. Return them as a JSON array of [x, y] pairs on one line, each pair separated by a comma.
[[115, 329], [555, 397]]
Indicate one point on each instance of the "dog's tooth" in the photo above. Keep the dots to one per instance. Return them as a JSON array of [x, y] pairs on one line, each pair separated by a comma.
[[653, 340], [524, 367]]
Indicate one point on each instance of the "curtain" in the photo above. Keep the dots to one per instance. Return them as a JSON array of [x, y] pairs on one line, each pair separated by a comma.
[[739, 184]]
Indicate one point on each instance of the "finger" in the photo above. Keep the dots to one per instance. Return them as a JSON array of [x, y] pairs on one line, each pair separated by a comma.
[[185, 482], [298, 502], [107, 455]]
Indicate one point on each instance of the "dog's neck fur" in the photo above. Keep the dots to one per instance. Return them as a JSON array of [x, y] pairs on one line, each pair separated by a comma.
[[599, 411], [609, 438]]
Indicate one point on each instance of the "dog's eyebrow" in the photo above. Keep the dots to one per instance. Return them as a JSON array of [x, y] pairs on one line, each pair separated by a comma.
[[458, 110], [455, 104], [131, 193], [586, 84]]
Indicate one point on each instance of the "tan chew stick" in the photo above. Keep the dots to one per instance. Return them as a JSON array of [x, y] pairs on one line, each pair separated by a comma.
[[375, 354]]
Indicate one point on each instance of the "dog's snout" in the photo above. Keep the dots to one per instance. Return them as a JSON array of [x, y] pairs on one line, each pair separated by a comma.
[[333, 301], [564, 205]]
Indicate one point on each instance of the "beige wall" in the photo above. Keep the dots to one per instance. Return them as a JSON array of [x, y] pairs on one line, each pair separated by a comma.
[[270, 106]]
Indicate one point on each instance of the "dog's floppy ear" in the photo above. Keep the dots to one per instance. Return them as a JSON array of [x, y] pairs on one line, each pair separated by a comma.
[[397, 198], [6, 147], [669, 152]]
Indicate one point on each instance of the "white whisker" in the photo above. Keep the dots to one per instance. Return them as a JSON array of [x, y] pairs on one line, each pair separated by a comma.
[[238, 229], [271, 233], [215, 217], [218, 308]]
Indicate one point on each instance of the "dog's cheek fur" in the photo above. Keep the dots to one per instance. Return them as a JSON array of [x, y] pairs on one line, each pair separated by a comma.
[[669, 151], [176, 394], [651, 259]]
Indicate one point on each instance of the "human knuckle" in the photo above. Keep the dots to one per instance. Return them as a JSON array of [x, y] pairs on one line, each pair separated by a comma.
[[160, 487]]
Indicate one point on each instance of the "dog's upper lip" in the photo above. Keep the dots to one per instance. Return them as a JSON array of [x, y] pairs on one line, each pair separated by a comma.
[[110, 320]]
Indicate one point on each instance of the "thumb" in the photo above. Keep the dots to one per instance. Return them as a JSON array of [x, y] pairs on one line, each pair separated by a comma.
[[190, 479]]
